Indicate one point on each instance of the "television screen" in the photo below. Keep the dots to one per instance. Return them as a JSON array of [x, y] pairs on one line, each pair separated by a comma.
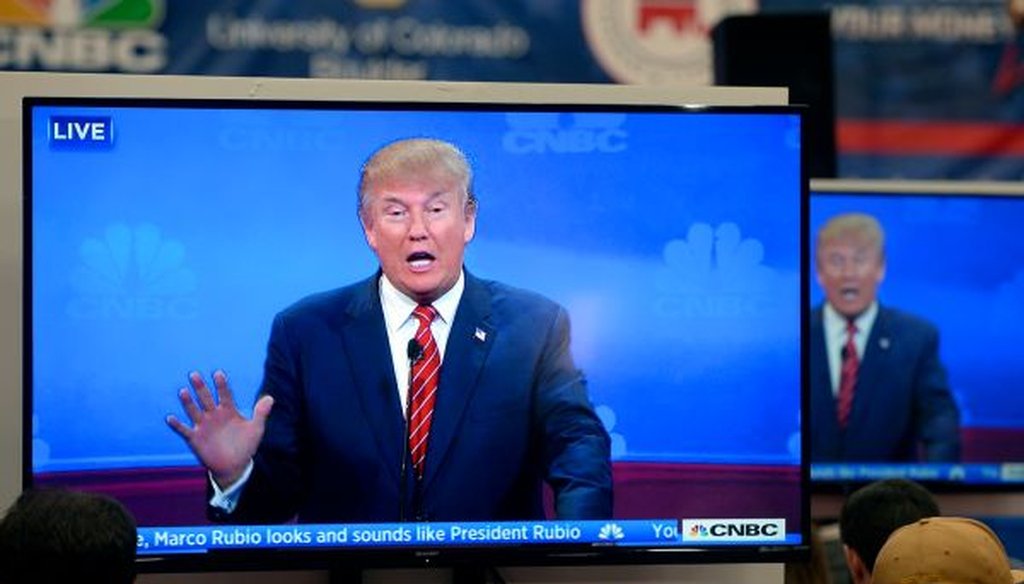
[[173, 246], [933, 275]]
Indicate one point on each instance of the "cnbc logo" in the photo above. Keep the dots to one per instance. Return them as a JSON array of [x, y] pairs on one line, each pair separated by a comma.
[[134, 273], [82, 35], [553, 133], [734, 530]]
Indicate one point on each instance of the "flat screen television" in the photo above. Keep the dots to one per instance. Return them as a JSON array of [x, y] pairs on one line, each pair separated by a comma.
[[944, 371], [162, 236]]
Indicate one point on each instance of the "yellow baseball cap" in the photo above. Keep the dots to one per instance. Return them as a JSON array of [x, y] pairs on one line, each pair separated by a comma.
[[946, 550]]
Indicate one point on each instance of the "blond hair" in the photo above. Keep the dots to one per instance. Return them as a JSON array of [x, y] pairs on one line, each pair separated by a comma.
[[853, 225], [416, 159]]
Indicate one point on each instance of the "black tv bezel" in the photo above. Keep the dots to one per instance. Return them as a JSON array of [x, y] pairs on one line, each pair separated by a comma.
[[345, 560], [901, 188]]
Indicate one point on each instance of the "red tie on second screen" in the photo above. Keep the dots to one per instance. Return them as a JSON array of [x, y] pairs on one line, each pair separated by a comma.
[[425, 373], [848, 375]]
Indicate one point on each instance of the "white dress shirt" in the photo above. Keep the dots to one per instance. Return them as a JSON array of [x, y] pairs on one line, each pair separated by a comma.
[[835, 338], [401, 326]]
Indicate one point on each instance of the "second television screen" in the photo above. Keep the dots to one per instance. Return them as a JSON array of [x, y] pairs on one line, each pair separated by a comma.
[[932, 275]]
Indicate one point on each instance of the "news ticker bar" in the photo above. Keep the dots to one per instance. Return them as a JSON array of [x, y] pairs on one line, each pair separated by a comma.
[[1009, 473], [633, 532]]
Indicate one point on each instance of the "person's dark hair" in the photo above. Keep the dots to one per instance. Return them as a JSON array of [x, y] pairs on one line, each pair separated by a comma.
[[872, 513], [52, 535]]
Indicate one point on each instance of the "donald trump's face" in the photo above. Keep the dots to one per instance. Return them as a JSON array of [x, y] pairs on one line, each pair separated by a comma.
[[849, 269], [419, 230], [418, 215]]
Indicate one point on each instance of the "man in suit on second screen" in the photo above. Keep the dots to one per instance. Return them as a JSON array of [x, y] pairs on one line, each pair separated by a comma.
[[878, 389], [421, 393]]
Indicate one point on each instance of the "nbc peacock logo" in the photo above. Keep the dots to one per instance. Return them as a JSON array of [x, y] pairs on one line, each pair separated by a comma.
[[611, 532], [715, 272], [132, 272], [82, 13], [697, 530], [82, 35]]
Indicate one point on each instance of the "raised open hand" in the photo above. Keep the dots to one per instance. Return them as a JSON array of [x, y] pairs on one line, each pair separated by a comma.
[[222, 439]]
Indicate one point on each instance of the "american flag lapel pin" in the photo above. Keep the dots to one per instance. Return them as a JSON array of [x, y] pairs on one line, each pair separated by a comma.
[[480, 334]]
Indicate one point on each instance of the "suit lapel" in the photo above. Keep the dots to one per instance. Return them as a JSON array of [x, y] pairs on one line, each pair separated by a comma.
[[369, 355], [471, 337]]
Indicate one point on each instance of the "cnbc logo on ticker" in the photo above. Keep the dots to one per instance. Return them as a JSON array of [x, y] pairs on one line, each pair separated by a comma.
[[734, 530], [82, 35]]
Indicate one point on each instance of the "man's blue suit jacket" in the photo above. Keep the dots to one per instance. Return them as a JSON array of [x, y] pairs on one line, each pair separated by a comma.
[[512, 411], [903, 409]]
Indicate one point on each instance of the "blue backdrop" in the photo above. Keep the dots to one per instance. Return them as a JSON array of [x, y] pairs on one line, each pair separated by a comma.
[[672, 238]]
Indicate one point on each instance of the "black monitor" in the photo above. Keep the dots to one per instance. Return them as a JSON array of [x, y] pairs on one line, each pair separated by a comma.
[[163, 236], [788, 49]]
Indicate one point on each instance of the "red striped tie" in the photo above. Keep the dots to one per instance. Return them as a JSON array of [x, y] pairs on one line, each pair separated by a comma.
[[847, 375], [425, 373]]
